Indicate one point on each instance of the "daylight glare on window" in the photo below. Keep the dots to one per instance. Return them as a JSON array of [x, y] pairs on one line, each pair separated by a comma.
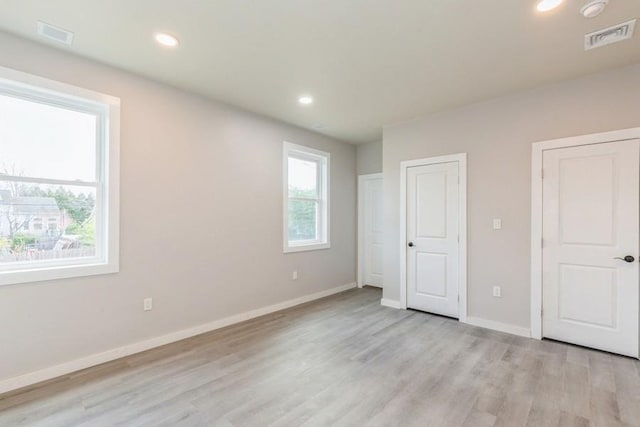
[[44, 141], [303, 178]]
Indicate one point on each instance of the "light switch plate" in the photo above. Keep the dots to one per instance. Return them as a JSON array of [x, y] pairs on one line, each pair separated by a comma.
[[497, 224]]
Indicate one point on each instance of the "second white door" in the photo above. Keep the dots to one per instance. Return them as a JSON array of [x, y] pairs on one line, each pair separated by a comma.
[[433, 238], [372, 229]]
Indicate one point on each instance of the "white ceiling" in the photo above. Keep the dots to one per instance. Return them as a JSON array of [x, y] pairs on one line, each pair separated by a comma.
[[368, 63]]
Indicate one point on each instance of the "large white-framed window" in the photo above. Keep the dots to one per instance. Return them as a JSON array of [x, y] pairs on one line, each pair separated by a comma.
[[306, 198], [59, 180]]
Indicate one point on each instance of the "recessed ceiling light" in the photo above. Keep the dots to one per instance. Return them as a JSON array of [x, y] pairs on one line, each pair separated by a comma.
[[166, 39], [547, 5], [305, 100], [594, 8]]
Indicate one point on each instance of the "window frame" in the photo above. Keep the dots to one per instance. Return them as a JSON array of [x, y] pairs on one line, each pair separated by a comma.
[[107, 182], [323, 160]]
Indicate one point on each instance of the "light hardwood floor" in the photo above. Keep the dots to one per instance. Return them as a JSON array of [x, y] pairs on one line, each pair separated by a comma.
[[343, 360]]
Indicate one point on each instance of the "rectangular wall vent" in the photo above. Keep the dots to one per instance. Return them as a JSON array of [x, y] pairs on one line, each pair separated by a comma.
[[54, 33], [609, 35]]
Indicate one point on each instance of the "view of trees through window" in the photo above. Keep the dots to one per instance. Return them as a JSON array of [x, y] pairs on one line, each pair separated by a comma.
[[303, 213], [39, 222]]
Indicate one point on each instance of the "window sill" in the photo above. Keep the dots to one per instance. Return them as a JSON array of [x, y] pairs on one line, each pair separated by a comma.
[[305, 248], [41, 274]]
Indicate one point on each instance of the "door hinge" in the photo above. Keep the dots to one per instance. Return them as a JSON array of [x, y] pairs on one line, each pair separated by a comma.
[[458, 297], [542, 173]]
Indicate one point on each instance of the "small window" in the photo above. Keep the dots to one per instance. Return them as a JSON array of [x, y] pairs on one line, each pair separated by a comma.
[[306, 198], [58, 180]]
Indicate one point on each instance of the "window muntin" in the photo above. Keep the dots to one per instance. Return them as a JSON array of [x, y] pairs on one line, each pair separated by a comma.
[[306, 225], [58, 180]]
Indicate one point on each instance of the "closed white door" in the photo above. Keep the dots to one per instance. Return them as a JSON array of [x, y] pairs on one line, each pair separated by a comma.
[[373, 230], [590, 221], [432, 236]]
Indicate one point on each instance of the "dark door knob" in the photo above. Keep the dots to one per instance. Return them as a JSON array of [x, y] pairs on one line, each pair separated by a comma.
[[410, 244], [628, 258]]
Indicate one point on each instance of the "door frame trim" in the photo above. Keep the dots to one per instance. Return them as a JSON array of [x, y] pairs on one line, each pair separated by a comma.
[[461, 158], [537, 151], [361, 235]]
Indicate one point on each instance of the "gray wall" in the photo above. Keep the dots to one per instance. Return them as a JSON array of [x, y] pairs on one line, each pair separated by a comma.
[[369, 158], [497, 136], [201, 222]]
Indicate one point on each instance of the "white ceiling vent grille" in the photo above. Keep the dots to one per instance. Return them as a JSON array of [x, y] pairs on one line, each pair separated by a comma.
[[54, 33], [609, 35]]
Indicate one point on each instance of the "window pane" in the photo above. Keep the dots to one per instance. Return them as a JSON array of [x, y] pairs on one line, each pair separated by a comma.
[[43, 141], [303, 220], [44, 222], [303, 178]]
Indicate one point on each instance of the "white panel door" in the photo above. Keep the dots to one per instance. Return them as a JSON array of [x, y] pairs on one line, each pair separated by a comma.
[[373, 231], [590, 219], [432, 236]]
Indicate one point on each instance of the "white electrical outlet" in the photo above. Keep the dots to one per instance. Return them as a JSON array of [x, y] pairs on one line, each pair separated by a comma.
[[147, 304], [497, 224], [497, 292], [294, 275]]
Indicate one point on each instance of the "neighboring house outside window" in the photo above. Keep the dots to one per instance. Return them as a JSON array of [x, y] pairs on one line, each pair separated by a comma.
[[59, 186], [306, 198], [20, 212]]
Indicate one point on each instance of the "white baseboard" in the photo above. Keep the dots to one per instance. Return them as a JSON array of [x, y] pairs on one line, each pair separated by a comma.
[[475, 321], [30, 378], [390, 303], [499, 326]]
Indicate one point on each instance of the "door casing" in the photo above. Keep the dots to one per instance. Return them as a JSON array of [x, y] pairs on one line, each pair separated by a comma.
[[461, 158], [538, 149]]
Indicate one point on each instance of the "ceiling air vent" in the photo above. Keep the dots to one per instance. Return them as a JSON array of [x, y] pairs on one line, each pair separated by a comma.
[[54, 33], [609, 35]]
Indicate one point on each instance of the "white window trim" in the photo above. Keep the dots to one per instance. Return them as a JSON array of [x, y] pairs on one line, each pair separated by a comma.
[[107, 184], [324, 159]]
